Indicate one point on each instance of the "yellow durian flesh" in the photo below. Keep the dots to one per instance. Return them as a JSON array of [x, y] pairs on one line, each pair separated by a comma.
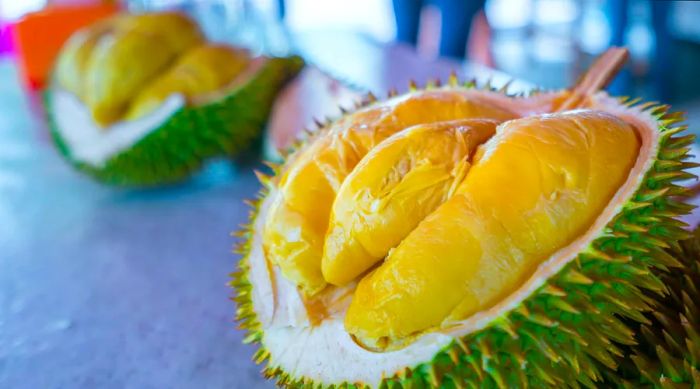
[[174, 29], [72, 64], [395, 186], [134, 50], [537, 184], [298, 217], [201, 70]]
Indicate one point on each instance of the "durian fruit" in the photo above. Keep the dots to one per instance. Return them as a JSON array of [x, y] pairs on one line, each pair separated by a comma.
[[524, 257], [667, 353], [144, 99]]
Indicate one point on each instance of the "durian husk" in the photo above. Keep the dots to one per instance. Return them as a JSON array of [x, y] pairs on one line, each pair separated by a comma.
[[667, 353], [222, 115], [571, 330], [223, 124]]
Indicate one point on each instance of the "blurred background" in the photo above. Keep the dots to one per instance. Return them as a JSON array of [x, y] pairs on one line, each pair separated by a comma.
[[545, 42], [102, 287]]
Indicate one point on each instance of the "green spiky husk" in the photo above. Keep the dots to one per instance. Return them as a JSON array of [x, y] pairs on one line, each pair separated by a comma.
[[576, 325], [192, 135], [668, 351]]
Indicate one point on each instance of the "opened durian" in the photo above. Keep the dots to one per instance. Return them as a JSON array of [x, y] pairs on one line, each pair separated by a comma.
[[144, 99], [459, 237]]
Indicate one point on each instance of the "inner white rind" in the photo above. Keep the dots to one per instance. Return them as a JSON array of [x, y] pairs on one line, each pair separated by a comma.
[[94, 145], [326, 353]]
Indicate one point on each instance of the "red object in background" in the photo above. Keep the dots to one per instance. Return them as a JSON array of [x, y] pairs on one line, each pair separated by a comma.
[[39, 36]]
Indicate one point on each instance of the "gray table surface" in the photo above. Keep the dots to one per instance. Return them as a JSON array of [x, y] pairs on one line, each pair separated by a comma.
[[105, 288], [112, 288]]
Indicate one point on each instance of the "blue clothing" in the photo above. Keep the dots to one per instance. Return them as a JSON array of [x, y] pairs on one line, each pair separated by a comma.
[[457, 17], [617, 12]]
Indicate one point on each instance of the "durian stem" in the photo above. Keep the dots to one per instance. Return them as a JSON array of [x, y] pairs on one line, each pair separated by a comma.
[[597, 77]]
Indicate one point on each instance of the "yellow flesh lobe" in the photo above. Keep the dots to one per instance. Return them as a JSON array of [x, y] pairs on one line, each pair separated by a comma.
[[135, 52], [395, 186], [174, 29], [201, 70], [73, 61], [537, 185], [298, 217]]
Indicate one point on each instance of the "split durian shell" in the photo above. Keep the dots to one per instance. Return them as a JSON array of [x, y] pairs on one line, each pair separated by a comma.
[[567, 325], [145, 100]]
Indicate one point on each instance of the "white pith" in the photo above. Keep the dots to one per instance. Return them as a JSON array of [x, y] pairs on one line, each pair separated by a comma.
[[94, 145], [326, 353]]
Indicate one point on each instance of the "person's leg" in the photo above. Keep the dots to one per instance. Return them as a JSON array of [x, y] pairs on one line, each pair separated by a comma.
[[616, 11], [457, 17], [661, 65], [407, 15], [281, 9], [479, 42]]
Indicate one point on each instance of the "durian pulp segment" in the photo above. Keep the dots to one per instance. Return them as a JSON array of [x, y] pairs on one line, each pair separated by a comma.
[[73, 61], [114, 61], [395, 186], [201, 70], [536, 186], [174, 29], [298, 219]]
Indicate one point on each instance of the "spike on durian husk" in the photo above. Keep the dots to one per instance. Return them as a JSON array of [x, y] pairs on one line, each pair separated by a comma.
[[371, 97], [453, 80], [504, 88], [569, 332]]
